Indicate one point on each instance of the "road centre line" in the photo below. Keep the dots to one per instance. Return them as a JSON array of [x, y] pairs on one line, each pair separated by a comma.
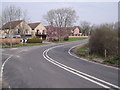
[[78, 73]]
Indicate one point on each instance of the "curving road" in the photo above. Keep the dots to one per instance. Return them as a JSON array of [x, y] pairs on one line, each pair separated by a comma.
[[52, 66]]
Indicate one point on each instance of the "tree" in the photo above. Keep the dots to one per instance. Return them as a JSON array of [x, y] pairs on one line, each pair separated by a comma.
[[25, 18], [111, 26], [85, 28], [104, 42], [54, 33], [62, 17], [12, 13]]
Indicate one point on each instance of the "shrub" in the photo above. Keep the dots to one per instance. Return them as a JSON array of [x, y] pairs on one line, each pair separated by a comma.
[[113, 61], [34, 40], [8, 41], [66, 38], [103, 40], [55, 39]]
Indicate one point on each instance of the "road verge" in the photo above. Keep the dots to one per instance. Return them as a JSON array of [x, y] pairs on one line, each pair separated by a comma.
[[73, 52]]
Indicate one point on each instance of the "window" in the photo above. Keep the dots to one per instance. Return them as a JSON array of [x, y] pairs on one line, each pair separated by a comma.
[[37, 31], [43, 32], [18, 31], [26, 31]]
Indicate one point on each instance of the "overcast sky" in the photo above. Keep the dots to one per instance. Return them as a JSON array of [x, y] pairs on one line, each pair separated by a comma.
[[93, 12]]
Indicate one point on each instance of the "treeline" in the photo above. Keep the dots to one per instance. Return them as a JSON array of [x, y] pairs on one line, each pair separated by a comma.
[[104, 41]]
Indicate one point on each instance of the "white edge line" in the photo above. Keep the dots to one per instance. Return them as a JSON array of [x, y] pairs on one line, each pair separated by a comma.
[[2, 67], [77, 70], [69, 51]]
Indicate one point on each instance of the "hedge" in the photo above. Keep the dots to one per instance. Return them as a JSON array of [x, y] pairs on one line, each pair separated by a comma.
[[34, 40]]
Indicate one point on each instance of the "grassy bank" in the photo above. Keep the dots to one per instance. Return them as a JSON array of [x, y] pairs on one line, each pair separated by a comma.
[[71, 39], [84, 52], [26, 44]]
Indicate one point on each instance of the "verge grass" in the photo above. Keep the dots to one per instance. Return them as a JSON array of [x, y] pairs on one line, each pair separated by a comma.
[[84, 52], [23, 45], [71, 39]]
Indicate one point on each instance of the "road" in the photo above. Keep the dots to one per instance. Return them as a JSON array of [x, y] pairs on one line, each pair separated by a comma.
[[52, 66]]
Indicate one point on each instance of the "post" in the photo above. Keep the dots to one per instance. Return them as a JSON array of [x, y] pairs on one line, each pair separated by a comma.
[[105, 53]]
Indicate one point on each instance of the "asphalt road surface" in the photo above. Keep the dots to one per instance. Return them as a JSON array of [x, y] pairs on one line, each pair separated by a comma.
[[52, 66]]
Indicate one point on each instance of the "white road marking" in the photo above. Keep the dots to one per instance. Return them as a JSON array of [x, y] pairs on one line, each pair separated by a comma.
[[69, 51], [76, 72], [2, 67]]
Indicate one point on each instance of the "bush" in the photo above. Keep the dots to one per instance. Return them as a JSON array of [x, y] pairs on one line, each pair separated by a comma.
[[34, 40], [113, 61], [104, 42], [66, 38], [8, 41]]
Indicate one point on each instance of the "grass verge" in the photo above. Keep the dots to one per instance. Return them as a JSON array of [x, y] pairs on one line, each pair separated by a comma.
[[71, 39], [113, 61], [84, 52], [26, 44]]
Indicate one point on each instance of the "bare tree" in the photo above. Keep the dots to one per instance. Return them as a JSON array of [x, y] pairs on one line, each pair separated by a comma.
[[62, 17], [9, 14], [25, 18], [85, 28], [111, 26], [12, 13]]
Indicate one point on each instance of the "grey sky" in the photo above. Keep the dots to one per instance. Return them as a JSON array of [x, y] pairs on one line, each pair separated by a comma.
[[94, 12]]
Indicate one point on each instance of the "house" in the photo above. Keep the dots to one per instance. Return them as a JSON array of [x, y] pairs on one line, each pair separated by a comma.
[[19, 27], [76, 31], [2, 34], [38, 30]]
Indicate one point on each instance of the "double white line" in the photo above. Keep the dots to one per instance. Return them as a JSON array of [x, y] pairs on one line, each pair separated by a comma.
[[78, 73]]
